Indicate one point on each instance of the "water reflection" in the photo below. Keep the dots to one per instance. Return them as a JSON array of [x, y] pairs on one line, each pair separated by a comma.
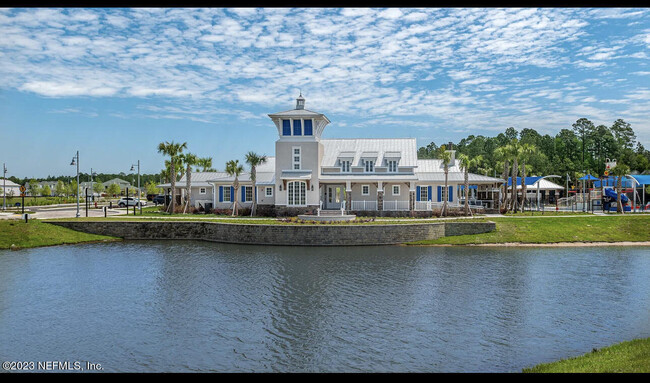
[[196, 306]]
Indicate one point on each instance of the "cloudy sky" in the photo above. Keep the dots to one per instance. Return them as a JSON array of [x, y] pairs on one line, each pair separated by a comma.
[[113, 83]]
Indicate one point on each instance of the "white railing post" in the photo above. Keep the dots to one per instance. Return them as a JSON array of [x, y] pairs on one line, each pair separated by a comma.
[[320, 207]]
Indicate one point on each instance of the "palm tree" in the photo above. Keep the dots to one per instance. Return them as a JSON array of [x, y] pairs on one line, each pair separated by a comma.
[[173, 150], [205, 163], [501, 153], [466, 163], [445, 156], [620, 171], [514, 151], [254, 160], [527, 152], [189, 159], [233, 168]]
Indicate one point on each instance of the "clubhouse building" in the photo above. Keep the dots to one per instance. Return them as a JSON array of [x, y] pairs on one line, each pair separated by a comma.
[[369, 176]]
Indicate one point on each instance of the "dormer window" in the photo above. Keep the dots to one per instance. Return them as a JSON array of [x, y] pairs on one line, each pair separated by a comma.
[[392, 166], [369, 166], [345, 166]]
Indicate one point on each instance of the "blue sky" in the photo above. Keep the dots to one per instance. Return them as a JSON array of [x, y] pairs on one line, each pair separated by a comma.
[[113, 83]]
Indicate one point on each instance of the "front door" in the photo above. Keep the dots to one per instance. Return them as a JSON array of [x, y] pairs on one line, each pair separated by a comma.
[[334, 196]]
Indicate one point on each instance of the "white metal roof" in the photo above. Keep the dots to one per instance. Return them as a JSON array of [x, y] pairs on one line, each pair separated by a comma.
[[335, 148], [544, 184]]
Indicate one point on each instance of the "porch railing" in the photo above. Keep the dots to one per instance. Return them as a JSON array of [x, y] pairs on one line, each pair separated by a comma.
[[364, 205], [396, 205]]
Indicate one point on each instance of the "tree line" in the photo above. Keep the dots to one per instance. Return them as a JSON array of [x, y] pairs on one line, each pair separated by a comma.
[[577, 151], [583, 149]]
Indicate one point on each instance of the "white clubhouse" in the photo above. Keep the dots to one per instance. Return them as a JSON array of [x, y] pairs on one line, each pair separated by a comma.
[[358, 174]]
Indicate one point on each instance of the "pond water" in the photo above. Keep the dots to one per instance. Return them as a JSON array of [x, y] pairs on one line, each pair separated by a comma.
[[183, 306]]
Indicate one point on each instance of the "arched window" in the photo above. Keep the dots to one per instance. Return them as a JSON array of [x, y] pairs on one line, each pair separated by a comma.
[[296, 193]]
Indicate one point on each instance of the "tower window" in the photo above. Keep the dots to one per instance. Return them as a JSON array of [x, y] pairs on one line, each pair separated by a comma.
[[296, 158], [297, 128], [286, 127], [308, 128]]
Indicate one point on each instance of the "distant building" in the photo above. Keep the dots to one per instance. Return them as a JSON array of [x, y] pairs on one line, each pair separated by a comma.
[[51, 184], [10, 188], [120, 182]]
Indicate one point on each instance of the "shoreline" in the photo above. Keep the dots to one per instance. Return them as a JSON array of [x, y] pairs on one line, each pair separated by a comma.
[[552, 244]]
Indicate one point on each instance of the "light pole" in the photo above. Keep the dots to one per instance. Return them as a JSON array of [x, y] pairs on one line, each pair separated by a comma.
[[139, 203], [92, 185], [77, 163], [4, 186], [538, 182]]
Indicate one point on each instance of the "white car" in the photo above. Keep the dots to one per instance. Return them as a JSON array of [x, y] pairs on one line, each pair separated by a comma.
[[128, 201]]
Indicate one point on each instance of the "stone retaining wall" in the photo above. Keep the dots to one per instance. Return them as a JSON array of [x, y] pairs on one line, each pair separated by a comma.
[[288, 235]]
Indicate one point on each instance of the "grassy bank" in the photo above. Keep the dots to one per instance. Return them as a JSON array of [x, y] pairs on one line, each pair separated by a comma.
[[557, 229], [632, 356], [36, 233]]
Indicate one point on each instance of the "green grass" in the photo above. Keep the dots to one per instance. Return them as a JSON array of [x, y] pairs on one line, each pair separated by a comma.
[[37, 233], [546, 213], [632, 356], [557, 229], [41, 201]]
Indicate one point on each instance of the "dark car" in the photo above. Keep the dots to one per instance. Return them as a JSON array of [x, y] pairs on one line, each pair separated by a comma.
[[159, 200]]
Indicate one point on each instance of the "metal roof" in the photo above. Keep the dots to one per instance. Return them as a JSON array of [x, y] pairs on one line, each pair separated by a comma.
[[335, 148]]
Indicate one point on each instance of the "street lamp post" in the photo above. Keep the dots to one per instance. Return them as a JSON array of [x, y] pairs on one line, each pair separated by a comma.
[[538, 182], [4, 186], [92, 184], [75, 161], [139, 193]]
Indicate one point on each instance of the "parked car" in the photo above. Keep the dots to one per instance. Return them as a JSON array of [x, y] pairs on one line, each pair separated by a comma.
[[128, 201], [159, 200]]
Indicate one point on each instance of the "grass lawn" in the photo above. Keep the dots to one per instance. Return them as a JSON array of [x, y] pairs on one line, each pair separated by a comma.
[[558, 229], [36, 233], [632, 356]]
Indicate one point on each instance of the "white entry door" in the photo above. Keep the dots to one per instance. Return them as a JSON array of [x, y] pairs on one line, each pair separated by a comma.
[[334, 195]]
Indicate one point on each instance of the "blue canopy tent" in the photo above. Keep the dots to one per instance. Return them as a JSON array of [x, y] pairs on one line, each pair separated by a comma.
[[588, 177], [530, 181]]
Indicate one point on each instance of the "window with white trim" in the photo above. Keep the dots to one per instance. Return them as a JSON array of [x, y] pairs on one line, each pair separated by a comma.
[[201, 190], [296, 193], [395, 189], [424, 193], [296, 157], [345, 166], [226, 194], [369, 166], [392, 166], [365, 189], [269, 191]]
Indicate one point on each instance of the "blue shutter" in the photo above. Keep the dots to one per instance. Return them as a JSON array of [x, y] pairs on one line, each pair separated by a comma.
[[232, 194], [297, 128], [286, 127], [243, 193], [417, 193], [308, 128], [439, 193], [429, 193], [220, 193], [451, 194]]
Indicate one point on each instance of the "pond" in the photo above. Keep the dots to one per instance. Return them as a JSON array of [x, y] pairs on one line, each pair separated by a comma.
[[184, 306]]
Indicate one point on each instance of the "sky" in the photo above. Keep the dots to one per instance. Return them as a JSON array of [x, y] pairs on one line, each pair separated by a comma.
[[114, 83]]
